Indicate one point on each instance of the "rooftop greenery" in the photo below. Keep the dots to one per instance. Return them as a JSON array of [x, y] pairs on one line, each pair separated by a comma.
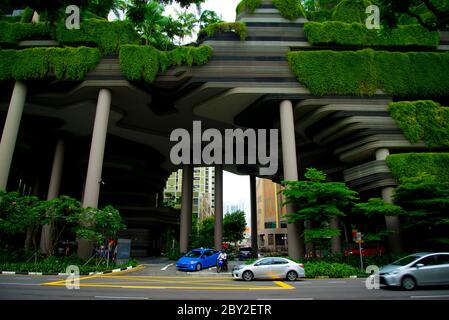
[[410, 74], [422, 120], [289, 9], [41, 63], [411, 165], [248, 6], [356, 34], [239, 28], [12, 33], [107, 35], [144, 62]]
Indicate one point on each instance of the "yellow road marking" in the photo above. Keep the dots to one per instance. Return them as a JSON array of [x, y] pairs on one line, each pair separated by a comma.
[[284, 285], [175, 287]]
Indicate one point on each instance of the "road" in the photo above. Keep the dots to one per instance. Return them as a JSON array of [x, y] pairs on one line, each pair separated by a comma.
[[163, 282]]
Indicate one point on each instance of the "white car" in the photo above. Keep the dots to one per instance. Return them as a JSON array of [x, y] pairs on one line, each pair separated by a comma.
[[270, 268]]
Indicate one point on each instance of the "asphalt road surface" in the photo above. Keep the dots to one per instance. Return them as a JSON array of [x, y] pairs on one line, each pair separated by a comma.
[[163, 282]]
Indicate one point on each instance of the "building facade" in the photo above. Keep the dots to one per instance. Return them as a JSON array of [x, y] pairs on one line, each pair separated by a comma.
[[203, 195], [272, 227]]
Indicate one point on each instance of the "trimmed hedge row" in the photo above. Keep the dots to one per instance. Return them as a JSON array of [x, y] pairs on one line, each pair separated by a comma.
[[290, 9], [144, 62], [423, 120], [411, 74], [40, 63], [351, 11], [356, 34], [107, 35], [331, 270], [410, 165], [248, 5], [11, 33], [239, 28]]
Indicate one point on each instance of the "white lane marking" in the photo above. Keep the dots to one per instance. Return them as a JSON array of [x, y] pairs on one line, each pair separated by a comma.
[[115, 297], [268, 299], [424, 297], [344, 282], [168, 265], [20, 278]]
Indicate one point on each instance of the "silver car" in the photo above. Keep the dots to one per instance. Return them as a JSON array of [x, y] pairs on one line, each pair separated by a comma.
[[420, 269], [269, 268]]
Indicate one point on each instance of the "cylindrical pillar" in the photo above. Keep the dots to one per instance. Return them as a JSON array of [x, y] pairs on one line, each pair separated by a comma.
[[11, 130], [294, 230], [218, 230], [392, 222], [186, 208], [53, 192], [253, 200], [95, 165], [335, 241]]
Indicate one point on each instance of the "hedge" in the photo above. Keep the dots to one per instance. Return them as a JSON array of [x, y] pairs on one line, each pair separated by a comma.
[[11, 33], [356, 34], [331, 270], [422, 120], [248, 5], [290, 9], [351, 11], [410, 165], [107, 35], [410, 74], [40, 63], [239, 28], [144, 62]]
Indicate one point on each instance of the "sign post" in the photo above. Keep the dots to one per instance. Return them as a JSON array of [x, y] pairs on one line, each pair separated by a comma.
[[360, 241]]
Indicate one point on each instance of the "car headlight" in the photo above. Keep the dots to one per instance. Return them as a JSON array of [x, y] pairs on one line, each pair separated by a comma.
[[192, 262], [238, 267], [393, 273]]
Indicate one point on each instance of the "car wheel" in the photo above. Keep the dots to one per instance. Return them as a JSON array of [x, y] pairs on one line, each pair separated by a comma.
[[292, 275], [198, 267], [408, 283], [247, 276]]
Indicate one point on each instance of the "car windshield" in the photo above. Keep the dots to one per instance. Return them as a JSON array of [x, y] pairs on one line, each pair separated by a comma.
[[193, 254], [405, 261]]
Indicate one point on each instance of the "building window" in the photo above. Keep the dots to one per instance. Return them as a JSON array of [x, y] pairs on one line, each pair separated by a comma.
[[270, 225]]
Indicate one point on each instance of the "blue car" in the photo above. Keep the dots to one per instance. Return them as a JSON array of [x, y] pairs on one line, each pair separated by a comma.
[[198, 259]]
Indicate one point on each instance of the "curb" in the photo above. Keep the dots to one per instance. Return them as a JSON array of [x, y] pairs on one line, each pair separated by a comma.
[[63, 273]]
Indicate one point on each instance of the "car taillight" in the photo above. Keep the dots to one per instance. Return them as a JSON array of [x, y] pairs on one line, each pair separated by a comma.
[[301, 265]]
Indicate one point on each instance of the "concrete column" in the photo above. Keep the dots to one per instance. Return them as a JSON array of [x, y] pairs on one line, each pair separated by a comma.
[[186, 208], [218, 230], [294, 230], [53, 192], [11, 130], [392, 222], [95, 165], [335, 241], [253, 200]]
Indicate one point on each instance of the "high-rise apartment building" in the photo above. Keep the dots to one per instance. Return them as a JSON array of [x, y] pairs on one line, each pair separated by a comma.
[[203, 191]]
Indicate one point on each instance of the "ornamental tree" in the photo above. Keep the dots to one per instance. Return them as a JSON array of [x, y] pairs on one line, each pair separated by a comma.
[[375, 209], [234, 225], [317, 201], [426, 202]]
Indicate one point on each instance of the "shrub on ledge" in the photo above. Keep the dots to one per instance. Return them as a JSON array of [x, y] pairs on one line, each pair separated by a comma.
[[239, 28], [41, 63], [248, 5], [144, 62], [356, 34], [107, 35], [412, 165], [12, 33], [424, 121], [290, 9], [410, 74]]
